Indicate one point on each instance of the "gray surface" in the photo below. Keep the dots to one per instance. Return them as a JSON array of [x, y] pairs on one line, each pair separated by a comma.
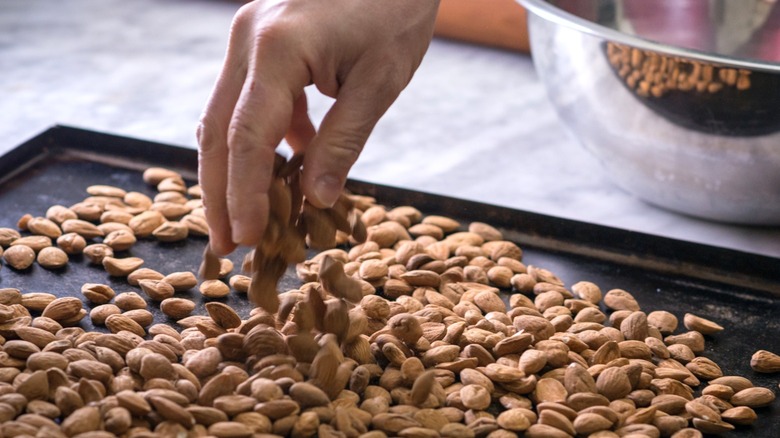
[[474, 123]]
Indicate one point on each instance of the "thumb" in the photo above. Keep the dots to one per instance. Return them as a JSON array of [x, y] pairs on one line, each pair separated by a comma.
[[341, 137]]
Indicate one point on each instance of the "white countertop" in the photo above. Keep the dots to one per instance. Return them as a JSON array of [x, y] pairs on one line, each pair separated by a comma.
[[474, 123]]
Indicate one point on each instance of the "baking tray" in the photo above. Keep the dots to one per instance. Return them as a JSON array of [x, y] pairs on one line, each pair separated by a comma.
[[736, 289]]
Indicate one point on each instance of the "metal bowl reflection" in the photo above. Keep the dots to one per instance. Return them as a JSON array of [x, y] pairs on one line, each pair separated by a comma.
[[679, 99]]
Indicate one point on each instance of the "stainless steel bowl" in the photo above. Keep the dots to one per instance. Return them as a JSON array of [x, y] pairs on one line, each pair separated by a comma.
[[678, 99]]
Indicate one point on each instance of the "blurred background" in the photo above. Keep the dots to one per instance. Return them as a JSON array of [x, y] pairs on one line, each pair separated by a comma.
[[474, 123]]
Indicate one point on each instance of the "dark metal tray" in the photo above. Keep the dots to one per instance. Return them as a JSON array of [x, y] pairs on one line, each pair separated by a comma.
[[738, 290]]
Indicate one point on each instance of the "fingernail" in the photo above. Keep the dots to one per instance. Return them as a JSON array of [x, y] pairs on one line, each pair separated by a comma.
[[238, 232], [219, 248], [327, 189]]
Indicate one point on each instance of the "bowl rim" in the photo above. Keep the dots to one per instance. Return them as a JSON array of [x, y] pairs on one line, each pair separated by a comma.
[[549, 12]]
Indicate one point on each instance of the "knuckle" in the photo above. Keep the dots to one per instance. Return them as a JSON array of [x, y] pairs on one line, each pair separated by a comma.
[[244, 17], [346, 145], [207, 134], [241, 135]]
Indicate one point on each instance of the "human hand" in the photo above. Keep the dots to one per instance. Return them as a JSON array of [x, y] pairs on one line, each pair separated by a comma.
[[362, 53]]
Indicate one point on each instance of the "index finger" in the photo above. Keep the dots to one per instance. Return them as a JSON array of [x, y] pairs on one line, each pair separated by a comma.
[[213, 149], [259, 123]]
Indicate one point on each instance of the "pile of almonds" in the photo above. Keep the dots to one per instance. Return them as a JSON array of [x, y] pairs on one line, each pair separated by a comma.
[[652, 74], [405, 334]]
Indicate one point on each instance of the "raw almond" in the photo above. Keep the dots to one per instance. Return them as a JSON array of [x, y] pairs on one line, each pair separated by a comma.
[[118, 323], [765, 362], [177, 308], [143, 317], [171, 232], [97, 252], [62, 309], [98, 314], [157, 290], [120, 240], [754, 397], [52, 258], [138, 200], [105, 190], [72, 243], [181, 281], [130, 301], [214, 289], [145, 223], [36, 301], [701, 325], [154, 175], [19, 257], [170, 210], [59, 214], [486, 232], [121, 267], [223, 315], [97, 293], [240, 283], [7, 236], [196, 225], [44, 227], [143, 274], [81, 227], [173, 183]]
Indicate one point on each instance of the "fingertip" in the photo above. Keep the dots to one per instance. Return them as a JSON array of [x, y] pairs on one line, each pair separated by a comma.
[[245, 234], [325, 190], [248, 219], [219, 237], [222, 247]]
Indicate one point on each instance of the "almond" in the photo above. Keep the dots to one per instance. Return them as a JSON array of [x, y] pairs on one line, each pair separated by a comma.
[[59, 214], [170, 211], [181, 281], [171, 232], [118, 323], [223, 315], [81, 227], [701, 325], [130, 301], [82, 420], [138, 200], [97, 293], [173, 183], [72, 243], [36, 301], [120, 240], [157, 290], [143, 274], [121, 267], [177, 308], [44, 227], [97, 252], [765, 362], [19, 257], [754, 397], [62, 309], [486, 232], [98, 314], [196, 225], [446, 224], [145, 223], [214, 289], [240, 283]]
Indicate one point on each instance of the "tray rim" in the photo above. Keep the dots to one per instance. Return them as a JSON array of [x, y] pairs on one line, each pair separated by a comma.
[[666, 255]]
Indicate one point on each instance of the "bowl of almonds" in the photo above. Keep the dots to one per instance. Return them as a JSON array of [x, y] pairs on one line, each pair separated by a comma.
[[679, 101]]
